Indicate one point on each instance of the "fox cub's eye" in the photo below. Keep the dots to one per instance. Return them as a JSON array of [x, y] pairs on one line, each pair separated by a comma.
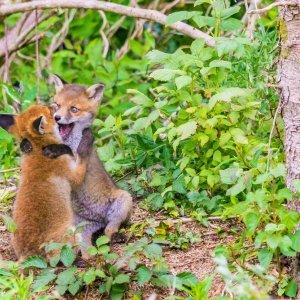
[[74, 109]]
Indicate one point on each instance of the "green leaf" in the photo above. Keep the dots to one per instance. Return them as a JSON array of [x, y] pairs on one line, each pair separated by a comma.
[[284, 194], [186, 130], [237, 188], [182, 81], [228, 12], [92, 251], [74, 287], [273, 241], [143, 275], [199, 2], [121, 278], [238, 135], [153, 251], [179, 185], [180, 16], [11, 92], [291, 289], [251, 221], [102, 240], [54, 246], [166, 74], [89, 276], [296, 241], [140, 98], [157, 57], [197, 47], [110, 121], [61, 289], [230, 175], [67, 256], [203, 21], [43, 279], [34, 262], [66, 277], [265, 257], [231, 24], [278, 171], [296, 184], [103, 249], [227, 94], [9, 223], [220, 64]]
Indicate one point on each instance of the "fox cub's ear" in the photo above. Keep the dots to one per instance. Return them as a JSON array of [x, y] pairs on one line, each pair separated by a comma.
[[38, 124], [8, 122], [57, 81], [95, 92]]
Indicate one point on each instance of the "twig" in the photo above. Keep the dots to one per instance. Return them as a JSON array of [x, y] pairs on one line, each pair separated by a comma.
[[170, 6], [6, 64], [59, 37], [271, 135], [38, 99], [20, 31], [192, 261], [103, 35], [124, 176], [9, 170], [272, 115], [185, 220], [275, 4], [6, 68], [147, 14], [87, 292], [113, 29]]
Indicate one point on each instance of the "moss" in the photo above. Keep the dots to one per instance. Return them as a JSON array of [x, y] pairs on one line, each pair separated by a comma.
[[285, 53], [283, 30]]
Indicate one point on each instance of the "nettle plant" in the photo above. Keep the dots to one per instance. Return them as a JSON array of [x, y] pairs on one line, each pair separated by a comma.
[[190, 128], [271, 227], [112, 275]]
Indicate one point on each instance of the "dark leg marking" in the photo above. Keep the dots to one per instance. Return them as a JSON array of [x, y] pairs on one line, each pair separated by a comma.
[[56, 150], [25, 146]]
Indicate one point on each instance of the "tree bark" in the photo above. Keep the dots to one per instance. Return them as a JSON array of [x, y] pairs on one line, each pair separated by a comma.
[[289, 82]]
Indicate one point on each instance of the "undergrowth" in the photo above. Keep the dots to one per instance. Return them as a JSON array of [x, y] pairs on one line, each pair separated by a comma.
[[184, 127]]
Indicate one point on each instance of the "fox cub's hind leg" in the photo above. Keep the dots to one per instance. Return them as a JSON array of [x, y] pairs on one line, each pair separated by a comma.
[[118, 213], [86, 235]]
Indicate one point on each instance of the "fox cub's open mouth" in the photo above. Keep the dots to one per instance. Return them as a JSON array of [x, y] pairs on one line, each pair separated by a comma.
[[65, 129]]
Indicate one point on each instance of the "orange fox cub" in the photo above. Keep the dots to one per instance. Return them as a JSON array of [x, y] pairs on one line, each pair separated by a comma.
[[98, 200], [42, 209]]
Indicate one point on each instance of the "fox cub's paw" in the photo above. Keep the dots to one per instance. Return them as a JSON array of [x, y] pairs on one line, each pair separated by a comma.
[[86, 143], [118, 238], [56, 150]]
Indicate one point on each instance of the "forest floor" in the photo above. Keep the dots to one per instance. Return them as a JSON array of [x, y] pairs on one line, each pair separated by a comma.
[[197, 258]]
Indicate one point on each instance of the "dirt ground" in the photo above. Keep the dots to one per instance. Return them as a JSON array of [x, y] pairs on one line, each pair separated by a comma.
[[197, 258]]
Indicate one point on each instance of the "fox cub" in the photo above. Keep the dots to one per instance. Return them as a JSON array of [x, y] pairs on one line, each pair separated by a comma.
[[98, 200], [42, 210]]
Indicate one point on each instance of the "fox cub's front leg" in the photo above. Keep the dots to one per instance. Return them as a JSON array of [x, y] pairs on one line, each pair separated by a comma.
[[83, 151]]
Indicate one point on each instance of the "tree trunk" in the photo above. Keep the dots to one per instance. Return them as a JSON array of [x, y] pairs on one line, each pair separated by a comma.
[[289, 81]]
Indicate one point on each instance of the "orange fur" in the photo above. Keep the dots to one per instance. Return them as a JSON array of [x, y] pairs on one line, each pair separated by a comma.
[[42, 209]]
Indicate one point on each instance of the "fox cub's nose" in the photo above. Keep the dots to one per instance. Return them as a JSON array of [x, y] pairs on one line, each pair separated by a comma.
[[57, 118]]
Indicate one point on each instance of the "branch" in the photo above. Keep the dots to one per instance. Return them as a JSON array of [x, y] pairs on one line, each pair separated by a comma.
[[19, 33], [275, 4], [148, 14]]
